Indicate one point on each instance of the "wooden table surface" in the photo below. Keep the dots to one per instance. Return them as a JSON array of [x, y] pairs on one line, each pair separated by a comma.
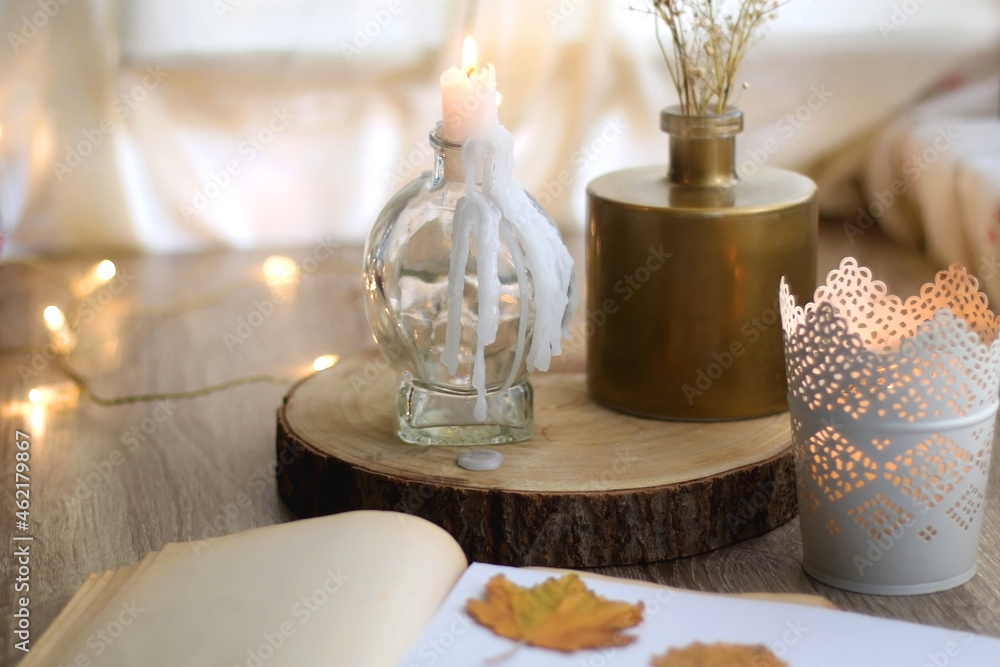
[[111, 483]]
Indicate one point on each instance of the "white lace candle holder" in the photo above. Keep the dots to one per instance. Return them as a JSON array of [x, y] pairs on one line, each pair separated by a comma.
[[893, 405]]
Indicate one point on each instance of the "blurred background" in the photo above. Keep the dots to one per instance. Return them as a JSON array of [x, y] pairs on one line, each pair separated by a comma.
[[190, 125]]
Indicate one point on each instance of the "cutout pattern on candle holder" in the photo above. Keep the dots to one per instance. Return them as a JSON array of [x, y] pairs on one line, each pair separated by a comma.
[[808, 502], [929, 471], [892, 406], [837, 466], [967, 507], [857, 352], [880, 516]]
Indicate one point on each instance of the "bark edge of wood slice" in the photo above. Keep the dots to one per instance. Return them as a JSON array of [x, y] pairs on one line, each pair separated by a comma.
[[592, 488]]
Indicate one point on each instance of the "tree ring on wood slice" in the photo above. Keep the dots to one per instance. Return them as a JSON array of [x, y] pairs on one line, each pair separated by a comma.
[[591, 488]]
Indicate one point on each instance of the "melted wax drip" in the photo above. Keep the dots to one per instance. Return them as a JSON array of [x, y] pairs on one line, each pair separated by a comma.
[[504, 210]]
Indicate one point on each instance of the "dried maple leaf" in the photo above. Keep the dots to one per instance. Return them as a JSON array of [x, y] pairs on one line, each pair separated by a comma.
[[561, 614], [718, 655]]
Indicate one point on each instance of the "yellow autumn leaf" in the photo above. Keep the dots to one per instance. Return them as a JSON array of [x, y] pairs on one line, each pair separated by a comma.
[[718, 655], [561, 614]]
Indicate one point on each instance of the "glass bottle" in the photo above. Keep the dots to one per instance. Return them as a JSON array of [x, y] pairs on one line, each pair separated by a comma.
[[408, 258]]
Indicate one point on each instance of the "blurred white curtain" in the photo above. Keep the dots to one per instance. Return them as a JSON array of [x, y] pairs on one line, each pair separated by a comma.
[[194, 124]]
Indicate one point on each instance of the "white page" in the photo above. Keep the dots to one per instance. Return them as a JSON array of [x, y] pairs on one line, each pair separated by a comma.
[[800, 635]]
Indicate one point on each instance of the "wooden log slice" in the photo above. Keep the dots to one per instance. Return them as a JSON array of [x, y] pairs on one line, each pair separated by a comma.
[[592, 488]]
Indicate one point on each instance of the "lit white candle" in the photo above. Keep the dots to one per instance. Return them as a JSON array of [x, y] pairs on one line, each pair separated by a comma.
[[498, 209], [468, 98]]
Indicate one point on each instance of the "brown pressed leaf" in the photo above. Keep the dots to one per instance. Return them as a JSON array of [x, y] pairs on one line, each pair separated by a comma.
[[718, 655], [561, 614]]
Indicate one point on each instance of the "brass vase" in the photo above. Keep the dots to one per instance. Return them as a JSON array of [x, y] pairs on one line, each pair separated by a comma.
[[683, 267]]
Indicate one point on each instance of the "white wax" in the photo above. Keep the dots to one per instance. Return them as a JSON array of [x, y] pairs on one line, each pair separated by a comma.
[[503, 210]]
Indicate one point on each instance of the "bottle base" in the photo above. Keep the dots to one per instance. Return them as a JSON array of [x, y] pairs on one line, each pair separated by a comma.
[[430, 416]]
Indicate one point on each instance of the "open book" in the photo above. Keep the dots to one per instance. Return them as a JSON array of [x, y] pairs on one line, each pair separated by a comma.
[[385, 589]]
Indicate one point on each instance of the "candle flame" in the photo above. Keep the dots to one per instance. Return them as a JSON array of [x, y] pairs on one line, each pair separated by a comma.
[[468, 56]]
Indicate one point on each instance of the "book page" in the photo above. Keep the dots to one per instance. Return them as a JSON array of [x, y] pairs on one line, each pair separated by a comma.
[[800, 635], [350, 589]]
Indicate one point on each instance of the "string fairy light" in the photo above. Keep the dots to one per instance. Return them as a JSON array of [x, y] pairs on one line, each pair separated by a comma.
[[325, 361], [280, 270], [101, 274], [277, 271], [63, 340]]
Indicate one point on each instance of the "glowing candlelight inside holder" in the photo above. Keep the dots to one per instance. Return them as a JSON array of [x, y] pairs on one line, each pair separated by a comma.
[[892, 406], [469, 286]]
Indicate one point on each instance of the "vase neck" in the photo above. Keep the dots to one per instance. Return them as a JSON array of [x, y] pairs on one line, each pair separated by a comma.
[[702, 148], [448, 162]]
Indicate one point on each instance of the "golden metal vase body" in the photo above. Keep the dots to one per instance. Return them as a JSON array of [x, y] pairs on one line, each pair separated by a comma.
[[683, 268]]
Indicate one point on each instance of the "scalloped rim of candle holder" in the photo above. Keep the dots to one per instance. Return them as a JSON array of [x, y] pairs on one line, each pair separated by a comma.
[[593, 487]]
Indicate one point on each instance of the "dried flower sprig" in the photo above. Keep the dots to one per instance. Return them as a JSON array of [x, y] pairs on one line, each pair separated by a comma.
[[709, 39]]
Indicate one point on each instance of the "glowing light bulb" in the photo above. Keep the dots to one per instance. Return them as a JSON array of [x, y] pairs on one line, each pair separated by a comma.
[[106, 270], [54, 318], [280, 270], [59, 395], [98, 275], [325, 361], [63, 339]]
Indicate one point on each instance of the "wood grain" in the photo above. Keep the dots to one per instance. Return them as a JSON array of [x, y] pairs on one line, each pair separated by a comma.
[[207, 469], [592, 487]]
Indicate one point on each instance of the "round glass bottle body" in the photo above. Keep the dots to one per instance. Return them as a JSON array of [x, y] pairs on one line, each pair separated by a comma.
[[408, 260]]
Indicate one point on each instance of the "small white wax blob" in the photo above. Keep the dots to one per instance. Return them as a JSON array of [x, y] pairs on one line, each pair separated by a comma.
[[480, 459]]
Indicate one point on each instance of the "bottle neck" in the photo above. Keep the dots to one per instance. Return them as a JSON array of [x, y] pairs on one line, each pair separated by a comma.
[[448, 163], [702, 148]]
